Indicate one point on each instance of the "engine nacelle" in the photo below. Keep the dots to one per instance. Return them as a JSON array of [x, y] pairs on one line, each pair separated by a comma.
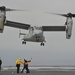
[[2, 18], [68, 31], [1, 24]]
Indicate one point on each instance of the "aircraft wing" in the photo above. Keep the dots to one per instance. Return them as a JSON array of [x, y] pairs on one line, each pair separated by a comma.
[[53, 28], [17, 25]]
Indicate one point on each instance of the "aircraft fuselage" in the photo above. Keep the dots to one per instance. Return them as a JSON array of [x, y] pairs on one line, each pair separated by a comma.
[[35, 35]]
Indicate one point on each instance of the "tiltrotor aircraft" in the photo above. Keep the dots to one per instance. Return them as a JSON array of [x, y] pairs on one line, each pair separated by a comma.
[[35, 33]]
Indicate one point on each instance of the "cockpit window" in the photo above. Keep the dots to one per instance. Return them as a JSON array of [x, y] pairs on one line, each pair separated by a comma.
[[31, 30]]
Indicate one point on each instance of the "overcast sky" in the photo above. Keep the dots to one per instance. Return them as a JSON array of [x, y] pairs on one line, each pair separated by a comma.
[[57, 50]]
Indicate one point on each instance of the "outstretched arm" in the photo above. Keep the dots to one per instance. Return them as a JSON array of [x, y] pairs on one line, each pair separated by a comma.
[[29, 60]]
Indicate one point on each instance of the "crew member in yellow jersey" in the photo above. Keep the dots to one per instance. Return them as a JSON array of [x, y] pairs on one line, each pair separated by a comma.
[[18, 63]]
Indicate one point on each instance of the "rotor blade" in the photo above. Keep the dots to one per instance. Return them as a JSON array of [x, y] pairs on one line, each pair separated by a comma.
[[57, 14], [8, 9]]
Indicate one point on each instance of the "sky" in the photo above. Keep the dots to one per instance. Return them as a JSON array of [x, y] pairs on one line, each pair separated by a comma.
[[57, 50]]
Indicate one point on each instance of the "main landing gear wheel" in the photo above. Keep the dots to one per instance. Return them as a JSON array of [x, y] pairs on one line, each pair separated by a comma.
[[23, 42], [42, 44]]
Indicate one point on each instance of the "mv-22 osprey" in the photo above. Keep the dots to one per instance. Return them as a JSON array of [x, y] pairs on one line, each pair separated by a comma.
[[35, 33]]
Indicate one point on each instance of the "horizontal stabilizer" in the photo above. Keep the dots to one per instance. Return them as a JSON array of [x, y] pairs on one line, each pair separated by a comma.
[[22, 34]]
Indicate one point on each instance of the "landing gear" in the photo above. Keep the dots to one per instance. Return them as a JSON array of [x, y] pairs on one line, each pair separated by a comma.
[[23, 42], [42, 44]]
